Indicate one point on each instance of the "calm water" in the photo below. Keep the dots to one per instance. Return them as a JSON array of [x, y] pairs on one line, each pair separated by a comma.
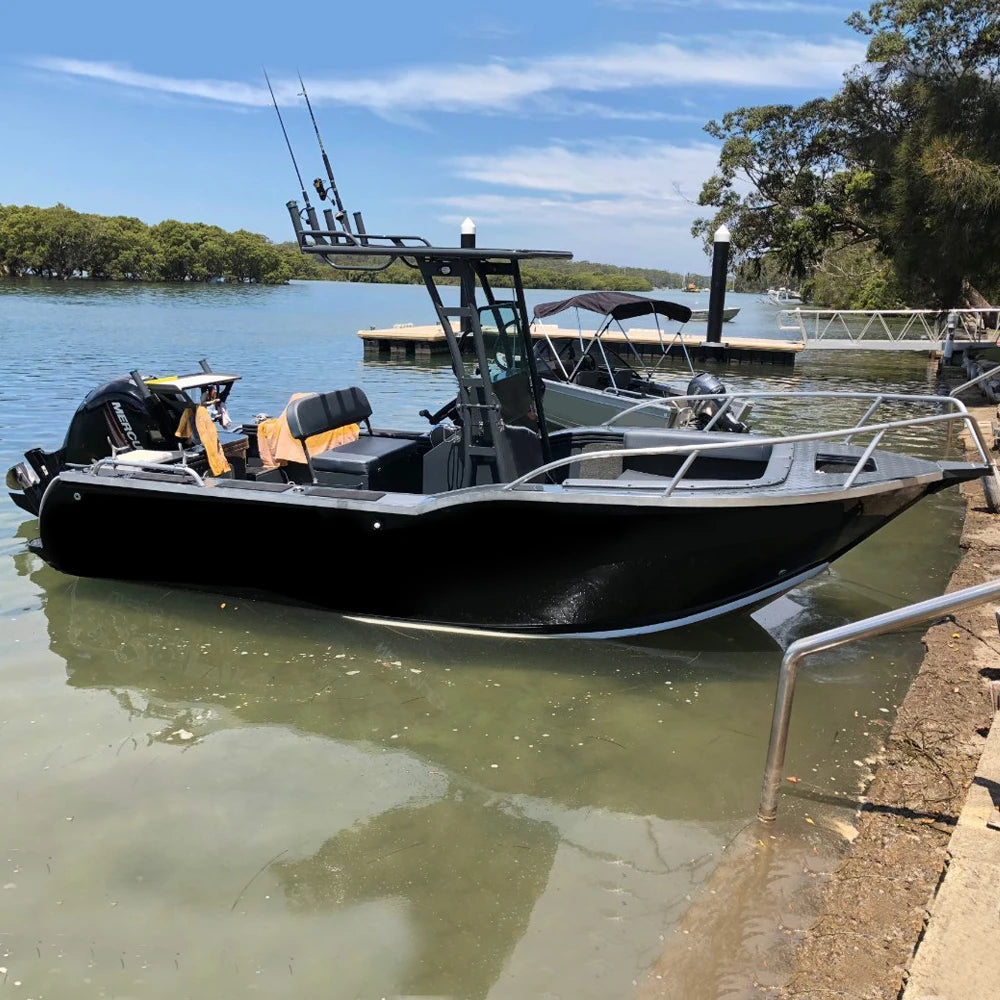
[[207, 797]]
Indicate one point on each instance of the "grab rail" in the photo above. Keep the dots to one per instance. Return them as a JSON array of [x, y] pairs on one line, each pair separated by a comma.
[[982, 377], [878, 398], [890, 621], [693, 451], [117, 463]]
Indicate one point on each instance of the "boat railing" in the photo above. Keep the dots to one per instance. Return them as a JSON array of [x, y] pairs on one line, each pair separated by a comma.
[[693, 451], [890, 621], [730, 399], [124, 465]]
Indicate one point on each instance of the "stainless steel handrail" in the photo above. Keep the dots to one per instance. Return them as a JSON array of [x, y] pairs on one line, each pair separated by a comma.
[[791, 394], [974, 381], [745, 441], [117, 463], [871, 409], [891, 621]]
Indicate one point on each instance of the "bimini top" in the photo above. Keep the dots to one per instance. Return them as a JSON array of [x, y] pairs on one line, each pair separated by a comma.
[[617, 305]]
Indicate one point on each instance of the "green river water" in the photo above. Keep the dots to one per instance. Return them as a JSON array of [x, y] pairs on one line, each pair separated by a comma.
[[209, 797]]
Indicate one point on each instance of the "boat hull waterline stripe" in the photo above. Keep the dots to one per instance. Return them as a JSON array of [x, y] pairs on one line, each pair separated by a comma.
[[622, 633]]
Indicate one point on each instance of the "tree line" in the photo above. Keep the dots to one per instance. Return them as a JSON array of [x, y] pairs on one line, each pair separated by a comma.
[[887, 193], [60, 243]]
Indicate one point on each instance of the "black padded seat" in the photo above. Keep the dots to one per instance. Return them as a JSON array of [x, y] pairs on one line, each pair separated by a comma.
[[366, 455], [373, 461]]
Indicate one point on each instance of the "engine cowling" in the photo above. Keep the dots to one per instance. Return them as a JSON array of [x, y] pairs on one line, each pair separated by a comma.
[[707, 384]]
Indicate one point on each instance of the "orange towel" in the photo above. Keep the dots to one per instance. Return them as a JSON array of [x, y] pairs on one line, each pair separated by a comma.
[[202, 429], [278, 447]]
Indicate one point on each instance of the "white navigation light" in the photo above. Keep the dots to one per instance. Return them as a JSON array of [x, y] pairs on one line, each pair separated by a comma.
[[468, 227], [722, 235]]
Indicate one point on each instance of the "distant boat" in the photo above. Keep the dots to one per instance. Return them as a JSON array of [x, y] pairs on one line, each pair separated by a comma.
[[780, 296], [701, 315]]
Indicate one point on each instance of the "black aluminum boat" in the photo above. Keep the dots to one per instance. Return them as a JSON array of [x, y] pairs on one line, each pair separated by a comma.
[[488, 520], [591, 378], [599, 531]]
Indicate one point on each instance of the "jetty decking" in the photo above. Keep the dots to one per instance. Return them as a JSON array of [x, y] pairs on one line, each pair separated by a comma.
[[404, 340]]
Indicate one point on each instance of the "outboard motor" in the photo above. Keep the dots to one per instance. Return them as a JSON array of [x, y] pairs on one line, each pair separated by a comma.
[[116, 415], [121, 414], [706, 384]]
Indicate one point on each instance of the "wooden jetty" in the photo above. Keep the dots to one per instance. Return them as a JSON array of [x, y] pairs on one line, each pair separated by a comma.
[[421, 343]]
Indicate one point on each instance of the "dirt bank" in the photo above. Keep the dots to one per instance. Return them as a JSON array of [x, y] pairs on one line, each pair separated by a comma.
[[822, 916], [873, 907]]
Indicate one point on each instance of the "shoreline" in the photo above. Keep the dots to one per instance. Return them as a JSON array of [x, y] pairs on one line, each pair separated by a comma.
[[873, 910], [840, 908]]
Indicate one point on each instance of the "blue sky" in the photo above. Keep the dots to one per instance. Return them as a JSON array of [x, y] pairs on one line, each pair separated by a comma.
[[553, 124]]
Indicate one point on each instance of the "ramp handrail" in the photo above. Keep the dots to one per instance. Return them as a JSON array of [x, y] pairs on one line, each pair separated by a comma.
[[982, 377], [890, 621], [815, 324]]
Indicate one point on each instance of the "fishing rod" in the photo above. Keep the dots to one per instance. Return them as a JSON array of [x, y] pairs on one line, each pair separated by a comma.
[[318, 183], [298, 174]]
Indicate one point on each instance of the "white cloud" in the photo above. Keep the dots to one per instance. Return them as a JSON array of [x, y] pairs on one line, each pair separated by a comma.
[[632, 204], [225, 91], [626, 231], [761, 60], [639, 169]]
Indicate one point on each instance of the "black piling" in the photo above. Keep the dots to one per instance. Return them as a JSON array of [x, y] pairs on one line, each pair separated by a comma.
[[717, 288]]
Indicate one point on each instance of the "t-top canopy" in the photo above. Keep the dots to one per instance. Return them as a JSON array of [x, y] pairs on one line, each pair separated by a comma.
[[617, 305]]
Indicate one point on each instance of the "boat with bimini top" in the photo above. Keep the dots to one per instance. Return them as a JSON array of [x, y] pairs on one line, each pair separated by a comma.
[[592, 377]]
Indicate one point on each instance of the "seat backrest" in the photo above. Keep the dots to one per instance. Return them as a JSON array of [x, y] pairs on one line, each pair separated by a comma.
[[323, 411]]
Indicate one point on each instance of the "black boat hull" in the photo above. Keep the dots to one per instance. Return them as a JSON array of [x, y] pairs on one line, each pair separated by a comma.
[[531, 566]]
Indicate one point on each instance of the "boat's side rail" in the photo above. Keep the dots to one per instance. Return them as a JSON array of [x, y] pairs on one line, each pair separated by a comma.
[[729, 399], [691, 451], [119, 465]]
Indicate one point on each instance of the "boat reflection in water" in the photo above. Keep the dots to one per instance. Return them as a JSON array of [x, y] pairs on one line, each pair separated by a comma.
[[475, 817]]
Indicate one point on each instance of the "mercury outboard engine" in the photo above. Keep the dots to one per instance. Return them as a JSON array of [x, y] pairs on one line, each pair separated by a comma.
[[706, 384], [116, 415], [119, 413]]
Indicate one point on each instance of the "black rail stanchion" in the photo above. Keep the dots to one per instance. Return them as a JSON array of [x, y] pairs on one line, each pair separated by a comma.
[[717, 289], [468, 294]]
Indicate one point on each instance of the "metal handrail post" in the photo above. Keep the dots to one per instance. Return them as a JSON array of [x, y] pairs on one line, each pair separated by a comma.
[[871, 409], [891, 621]]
